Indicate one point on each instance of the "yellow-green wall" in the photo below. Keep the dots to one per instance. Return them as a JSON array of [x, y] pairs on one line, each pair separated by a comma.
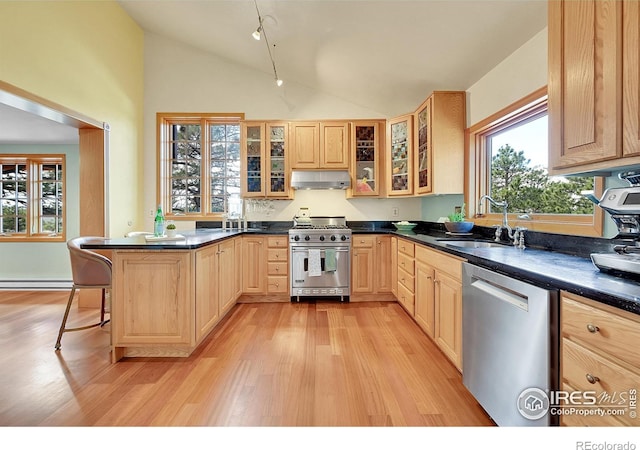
[[87, 56]]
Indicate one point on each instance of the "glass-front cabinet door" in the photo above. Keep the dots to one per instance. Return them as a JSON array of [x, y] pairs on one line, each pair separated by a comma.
[[252, 159], [265, 165], [422, 161], [400, 155], [366, 161], [277, 182]]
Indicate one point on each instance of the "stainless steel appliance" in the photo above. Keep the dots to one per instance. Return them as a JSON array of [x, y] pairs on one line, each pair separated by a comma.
[[623, 204], [510, 346], [320, 258]]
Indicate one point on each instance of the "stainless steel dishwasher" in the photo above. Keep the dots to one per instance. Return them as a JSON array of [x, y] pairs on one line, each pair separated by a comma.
[[510, 346]]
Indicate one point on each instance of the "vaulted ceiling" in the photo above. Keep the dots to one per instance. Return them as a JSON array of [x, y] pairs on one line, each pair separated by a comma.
[[371, 53]]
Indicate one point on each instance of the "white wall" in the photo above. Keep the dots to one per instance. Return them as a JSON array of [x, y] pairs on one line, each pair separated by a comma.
[[49, 261], [520, 74], [179, 78]]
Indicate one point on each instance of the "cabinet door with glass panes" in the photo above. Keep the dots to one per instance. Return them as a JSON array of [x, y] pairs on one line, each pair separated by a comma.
[[277, 160], [422, 156], [366, 158], [399, 157], [252, 157]]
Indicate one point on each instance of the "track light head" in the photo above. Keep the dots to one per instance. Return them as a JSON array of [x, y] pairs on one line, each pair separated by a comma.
[[256, 34], [279, 82]]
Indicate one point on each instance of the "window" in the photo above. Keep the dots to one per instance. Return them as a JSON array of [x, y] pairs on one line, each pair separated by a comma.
[[199, 168], [508, 158], [32, 188]]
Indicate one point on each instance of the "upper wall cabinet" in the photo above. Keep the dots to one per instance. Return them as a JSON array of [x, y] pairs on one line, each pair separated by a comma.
[[367, 139], [319, 145], [438, 149], [400, 155], [594, 73], [264, 156]]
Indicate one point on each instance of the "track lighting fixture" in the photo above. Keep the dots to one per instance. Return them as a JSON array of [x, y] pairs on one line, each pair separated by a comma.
[[260, 31]]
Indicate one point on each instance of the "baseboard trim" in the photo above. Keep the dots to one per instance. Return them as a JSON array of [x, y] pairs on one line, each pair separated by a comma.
[[34, 285]]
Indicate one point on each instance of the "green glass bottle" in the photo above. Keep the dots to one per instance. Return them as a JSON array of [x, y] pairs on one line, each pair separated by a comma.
[[158, 228]]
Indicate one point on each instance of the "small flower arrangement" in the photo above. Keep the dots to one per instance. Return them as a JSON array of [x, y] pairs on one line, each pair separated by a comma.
[[171, 229]]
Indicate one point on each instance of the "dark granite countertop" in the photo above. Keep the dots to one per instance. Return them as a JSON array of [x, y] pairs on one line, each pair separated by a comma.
[[536, 264]]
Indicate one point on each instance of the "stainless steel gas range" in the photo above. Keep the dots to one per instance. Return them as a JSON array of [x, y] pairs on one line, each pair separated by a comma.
[[320, 259]]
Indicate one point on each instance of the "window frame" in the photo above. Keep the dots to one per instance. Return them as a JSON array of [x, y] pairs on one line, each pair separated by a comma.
[[34, 204], [477, 175], [164, 121]]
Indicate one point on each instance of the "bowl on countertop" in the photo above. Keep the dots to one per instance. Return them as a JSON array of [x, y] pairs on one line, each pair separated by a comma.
[[405, 226], [458, 227]]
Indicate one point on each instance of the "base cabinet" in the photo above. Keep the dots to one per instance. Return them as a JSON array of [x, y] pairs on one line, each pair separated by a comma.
[[166, 302], [406, 275], [265, 268], [370, 266], [438, 300], [598, 355]]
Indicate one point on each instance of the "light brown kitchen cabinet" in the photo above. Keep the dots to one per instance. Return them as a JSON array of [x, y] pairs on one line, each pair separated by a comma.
[[215, 290], [277, 264], [399, 159], [367, 159], [438, 144], [394, 266], [598, 355], [406, 275], [237, 277], [264, 159], [185, 295], [319, 145], [265, 268], [594, 73], [370, 266], [253, 264], [438, 300]]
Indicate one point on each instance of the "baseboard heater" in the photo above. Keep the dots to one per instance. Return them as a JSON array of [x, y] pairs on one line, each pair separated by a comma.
[[32, 285]]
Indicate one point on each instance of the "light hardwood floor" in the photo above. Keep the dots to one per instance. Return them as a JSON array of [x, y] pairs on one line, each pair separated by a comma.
[[268, 364]]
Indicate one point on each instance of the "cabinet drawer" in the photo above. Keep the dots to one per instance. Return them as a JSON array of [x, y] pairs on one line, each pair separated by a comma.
[[278, 242], [277, 284], [579, 364], [407, 280], [443, 262], [406, 263], [277, 254], [406, 299], [277, 268], [363, 241], [612, 334], [406, 247]]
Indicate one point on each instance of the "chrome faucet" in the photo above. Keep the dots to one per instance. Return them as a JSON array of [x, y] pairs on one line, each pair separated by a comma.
[[516, 234]]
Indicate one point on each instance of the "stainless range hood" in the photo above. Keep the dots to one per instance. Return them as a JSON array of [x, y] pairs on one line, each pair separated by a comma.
[[320, 179]]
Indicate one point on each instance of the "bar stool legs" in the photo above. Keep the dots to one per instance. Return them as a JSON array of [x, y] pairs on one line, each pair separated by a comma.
[[63, 328]]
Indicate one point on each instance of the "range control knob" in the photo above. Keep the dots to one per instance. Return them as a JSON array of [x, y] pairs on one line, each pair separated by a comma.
[[306, 238], [343, 238], [322, 238], [296, 238], [333, 238]]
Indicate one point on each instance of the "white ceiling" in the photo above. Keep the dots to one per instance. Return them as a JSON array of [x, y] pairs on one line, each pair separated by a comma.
[[371, 53]]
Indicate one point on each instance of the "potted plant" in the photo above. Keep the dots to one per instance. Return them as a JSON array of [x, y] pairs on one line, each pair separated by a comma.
[[171, 230], [457, 222]]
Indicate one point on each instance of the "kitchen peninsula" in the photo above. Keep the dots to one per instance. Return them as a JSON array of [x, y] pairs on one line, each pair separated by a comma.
[[167, 296]]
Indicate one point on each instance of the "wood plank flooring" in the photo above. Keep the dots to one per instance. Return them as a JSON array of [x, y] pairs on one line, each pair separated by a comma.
[[266, 364]]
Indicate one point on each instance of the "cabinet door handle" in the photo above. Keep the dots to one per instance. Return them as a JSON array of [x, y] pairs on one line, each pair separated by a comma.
[[277, 269], [592, 378], [592, 328]]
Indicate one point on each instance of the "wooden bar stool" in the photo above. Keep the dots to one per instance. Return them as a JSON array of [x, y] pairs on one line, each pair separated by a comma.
[[90, 270]]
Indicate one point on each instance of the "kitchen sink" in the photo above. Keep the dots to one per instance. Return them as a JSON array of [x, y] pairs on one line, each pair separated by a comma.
[[471, 243]]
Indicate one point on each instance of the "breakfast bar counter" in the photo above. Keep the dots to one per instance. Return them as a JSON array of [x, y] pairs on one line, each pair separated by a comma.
[[167, 296]]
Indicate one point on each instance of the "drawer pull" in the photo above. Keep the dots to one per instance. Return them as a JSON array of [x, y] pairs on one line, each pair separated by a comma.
[[592, 328], [592, 378]]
